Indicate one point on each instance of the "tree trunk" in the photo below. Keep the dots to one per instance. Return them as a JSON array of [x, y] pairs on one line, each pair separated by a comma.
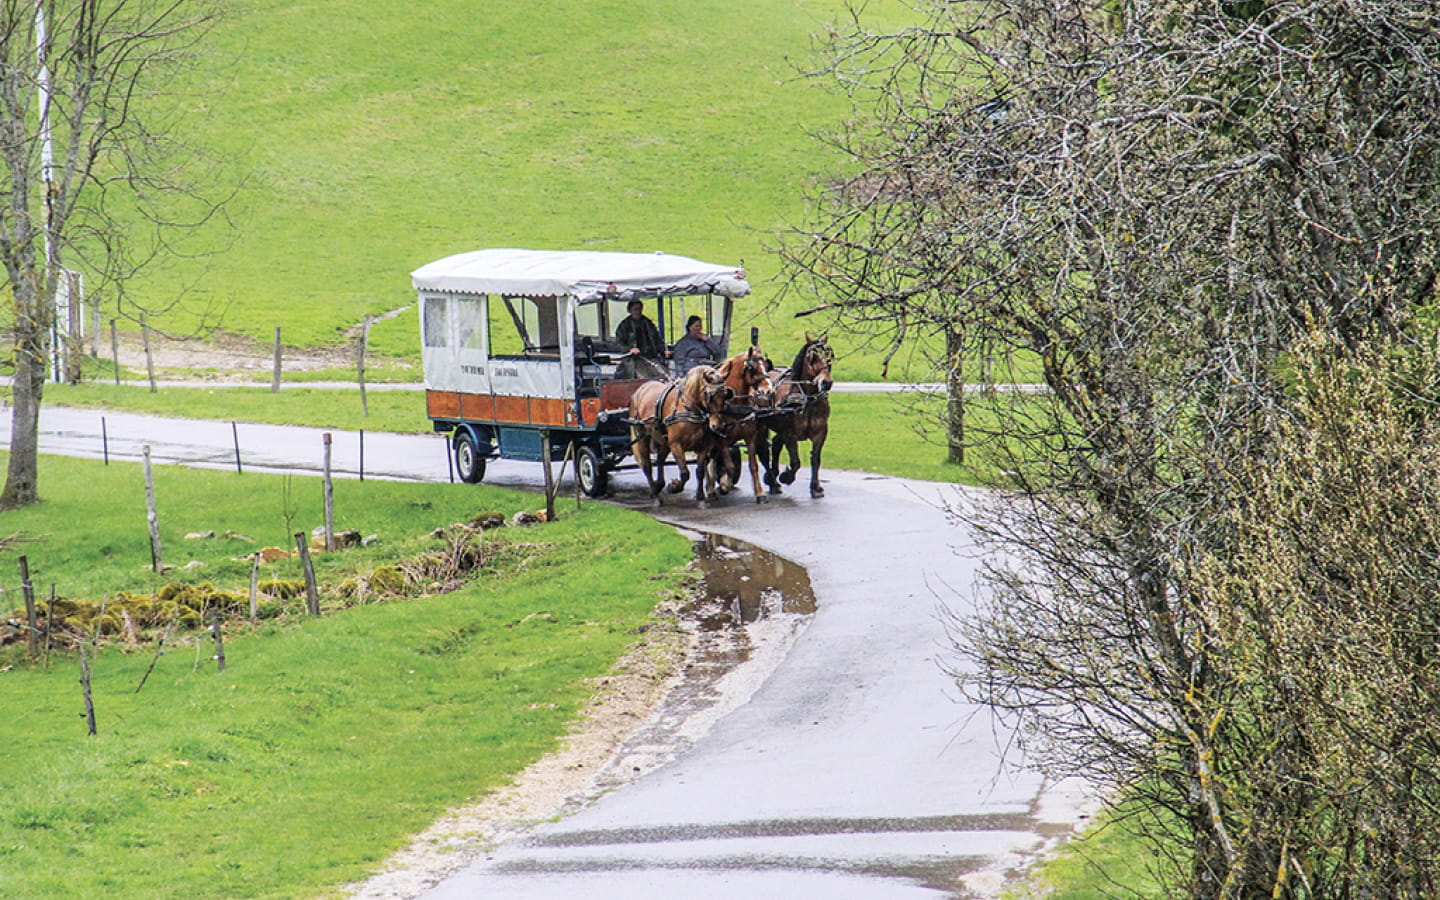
[[955, 405], [29, 384]]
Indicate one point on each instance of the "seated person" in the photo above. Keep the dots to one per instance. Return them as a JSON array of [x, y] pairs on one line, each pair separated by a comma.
[[637, 334], [694, 348]]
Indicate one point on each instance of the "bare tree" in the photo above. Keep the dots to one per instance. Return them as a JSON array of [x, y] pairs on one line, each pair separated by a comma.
[[1146, 204], [88, 162]]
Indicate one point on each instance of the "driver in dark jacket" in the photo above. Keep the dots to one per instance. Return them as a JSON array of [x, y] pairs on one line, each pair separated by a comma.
[[638, 335]]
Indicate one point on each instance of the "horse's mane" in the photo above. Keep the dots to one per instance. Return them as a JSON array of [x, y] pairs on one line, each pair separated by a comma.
[[798, 365]]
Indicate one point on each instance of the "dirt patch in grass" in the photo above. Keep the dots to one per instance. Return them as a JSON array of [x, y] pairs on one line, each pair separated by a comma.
[[222, 357]]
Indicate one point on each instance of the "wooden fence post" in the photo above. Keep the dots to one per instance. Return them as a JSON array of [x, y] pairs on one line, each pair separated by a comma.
[[28, 588], [360, 365], [85, 686], [151, 517], [549, 475], [215, 633], [254, 587], [74, 324], [115, 349], [149, 360], [275, 378], [312, 594], [329, 500], [95, 318]]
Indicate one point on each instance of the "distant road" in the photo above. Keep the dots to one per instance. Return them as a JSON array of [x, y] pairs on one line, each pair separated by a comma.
[[845, 387], [841, 387]]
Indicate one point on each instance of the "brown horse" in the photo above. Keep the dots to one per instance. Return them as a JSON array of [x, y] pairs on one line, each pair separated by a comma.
[[673, 417], [802, 413], [747, 375]]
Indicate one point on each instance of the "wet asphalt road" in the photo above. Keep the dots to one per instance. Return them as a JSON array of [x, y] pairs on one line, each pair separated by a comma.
[[851, 772]]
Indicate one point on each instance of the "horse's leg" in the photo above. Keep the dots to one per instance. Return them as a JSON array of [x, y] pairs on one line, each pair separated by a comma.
[[677, 448], [640, 449], [752, 450], [769, 442], [792, 443], [703, 462], [715, 472], [661, 451], [817, 444], [724, 473]]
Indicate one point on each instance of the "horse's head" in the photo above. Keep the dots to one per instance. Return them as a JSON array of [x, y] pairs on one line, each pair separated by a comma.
[[714, 401], [706, 393], [813, 362], [748, 374]]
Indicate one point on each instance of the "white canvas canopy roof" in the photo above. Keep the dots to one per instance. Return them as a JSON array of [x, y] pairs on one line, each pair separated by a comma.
[[585, 274]]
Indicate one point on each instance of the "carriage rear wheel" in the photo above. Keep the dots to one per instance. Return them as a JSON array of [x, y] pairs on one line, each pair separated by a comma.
[[469, 464], [591, 470]]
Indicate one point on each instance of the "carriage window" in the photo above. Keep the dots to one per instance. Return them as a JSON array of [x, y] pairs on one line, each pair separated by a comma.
[[536, 320], [617, 313], [470, 323], [437, 332], [587, 320]]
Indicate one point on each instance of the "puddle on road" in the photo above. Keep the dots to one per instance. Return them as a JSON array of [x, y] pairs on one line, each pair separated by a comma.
[[747, 608], [741, 584]]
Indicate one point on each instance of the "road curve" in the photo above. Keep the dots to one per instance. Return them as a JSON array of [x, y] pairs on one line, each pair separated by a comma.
[[853, 771]]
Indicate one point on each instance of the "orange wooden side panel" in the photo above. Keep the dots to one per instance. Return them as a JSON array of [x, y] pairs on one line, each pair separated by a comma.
[[508, 410], [479, 407], [442, 404]]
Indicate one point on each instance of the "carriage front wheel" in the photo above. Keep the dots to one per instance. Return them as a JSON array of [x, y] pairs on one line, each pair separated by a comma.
[[468, 462], [591, 469]]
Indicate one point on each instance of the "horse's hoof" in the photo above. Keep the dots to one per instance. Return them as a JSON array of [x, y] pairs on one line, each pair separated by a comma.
[[674, 487], [775, 489], [761, 498], [817, 491], [787, 477]]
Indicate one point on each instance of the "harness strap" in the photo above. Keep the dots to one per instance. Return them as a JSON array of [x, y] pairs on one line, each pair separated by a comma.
[[680, 415]]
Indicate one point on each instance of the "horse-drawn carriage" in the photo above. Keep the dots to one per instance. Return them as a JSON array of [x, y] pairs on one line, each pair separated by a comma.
[[519, 348], [523, 358]]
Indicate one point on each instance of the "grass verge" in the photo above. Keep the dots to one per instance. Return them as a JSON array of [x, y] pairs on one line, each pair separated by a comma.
[[1107, 861], [327, 741]]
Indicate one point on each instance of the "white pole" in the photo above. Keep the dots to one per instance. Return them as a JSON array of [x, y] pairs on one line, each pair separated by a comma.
[[47, 176]]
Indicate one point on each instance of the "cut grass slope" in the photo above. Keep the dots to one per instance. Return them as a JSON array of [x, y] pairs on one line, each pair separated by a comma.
[[372, 140]]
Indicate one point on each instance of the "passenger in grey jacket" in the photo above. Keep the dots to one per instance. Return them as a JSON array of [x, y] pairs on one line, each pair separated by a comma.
[[694, 348]]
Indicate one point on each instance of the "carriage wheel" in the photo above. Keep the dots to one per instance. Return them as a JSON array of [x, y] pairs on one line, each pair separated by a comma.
[[592, 473], [469, 464]]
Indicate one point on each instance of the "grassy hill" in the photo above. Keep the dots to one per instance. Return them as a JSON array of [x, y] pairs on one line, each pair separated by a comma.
[[373, 137]]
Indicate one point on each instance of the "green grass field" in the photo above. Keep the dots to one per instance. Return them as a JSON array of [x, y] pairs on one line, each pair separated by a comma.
[[396, 139], [326, 742]]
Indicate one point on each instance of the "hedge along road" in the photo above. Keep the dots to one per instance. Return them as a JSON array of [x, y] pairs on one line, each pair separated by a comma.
[[852, 771]]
